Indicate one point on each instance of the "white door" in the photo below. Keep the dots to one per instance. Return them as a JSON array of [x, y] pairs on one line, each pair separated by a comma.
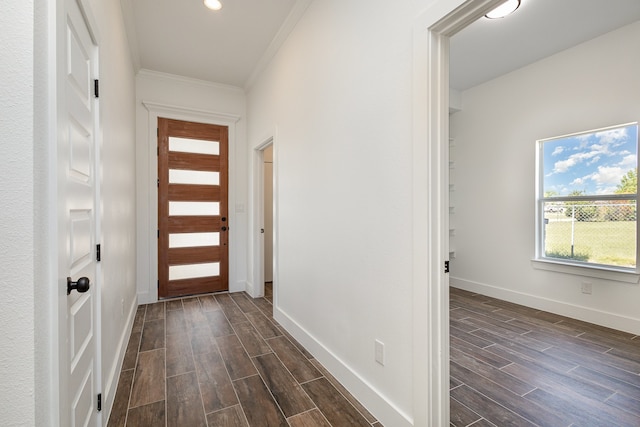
[[78, 172]]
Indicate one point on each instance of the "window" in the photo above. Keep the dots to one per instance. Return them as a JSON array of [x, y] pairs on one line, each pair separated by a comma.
[[587, 198]]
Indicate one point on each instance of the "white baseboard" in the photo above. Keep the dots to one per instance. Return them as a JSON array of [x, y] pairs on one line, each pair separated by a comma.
[[375, 402], [586, 314], [111, 380]]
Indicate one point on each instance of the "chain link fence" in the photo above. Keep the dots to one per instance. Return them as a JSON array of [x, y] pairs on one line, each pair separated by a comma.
[[591, 231]]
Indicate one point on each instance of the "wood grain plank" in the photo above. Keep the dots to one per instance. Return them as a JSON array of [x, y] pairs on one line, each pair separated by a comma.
[[230, 309], [336, 409], [179, 355], [152, 335], [131, 354], [152, 414], [148, 383], [284, 388], [343, 391], [155, 311], [208, 303], [251, 339], [218, 323], [259, 407], [215, 385], [265, 327], [235, 358], [184, 404], [461, 415], [313, 418], [228, 417], [299, 366], [244, 302], [517, 404], [492, 411], [120, 406]]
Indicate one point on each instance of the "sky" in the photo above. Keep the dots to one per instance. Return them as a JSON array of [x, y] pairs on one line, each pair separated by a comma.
[[591, 162]]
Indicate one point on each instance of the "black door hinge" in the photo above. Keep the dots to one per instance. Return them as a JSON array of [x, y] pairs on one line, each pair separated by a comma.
[[96, 88], [446, 267], [158, 283], [158, 233], [99, 402], [98, 252], [158, 182]]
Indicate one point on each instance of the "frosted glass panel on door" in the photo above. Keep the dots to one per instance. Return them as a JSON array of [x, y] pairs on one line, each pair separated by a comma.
[[179, 176], [192, 271], [198, 146], [190, 240], [194, 208]]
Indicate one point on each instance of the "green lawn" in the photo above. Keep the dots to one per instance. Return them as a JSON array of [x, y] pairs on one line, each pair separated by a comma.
[[603, 242]]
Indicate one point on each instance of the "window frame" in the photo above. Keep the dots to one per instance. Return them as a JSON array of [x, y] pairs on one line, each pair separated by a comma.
[[604, 271]]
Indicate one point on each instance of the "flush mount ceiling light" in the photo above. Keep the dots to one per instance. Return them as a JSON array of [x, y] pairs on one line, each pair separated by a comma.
[[213, 4], [506, 8]]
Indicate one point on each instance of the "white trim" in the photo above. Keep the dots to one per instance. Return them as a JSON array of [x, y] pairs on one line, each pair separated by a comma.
[[278, 40], [112, 379], [602, 272], [586, 314], [148, 180], [255, 287], [163, 77], [432, 30], [385, 410]]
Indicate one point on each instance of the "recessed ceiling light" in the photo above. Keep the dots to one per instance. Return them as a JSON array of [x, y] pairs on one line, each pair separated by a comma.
[[506, 8], [213, 4]]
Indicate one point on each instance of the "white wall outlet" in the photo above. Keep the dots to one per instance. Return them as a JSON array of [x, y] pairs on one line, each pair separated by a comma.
[[587, 287], [379, 352]]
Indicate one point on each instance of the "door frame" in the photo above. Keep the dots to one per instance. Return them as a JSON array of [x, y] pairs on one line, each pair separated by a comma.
[[148, 185], [432, 31], [255, 287]]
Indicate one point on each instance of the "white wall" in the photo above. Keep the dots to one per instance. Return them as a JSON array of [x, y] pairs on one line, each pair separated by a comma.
[[589, 86], [117, 119], [199, 101], [18, 241], [337, 99]]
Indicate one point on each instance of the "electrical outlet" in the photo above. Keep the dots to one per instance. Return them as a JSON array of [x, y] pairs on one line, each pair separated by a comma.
[[379, 352], [587, 288]]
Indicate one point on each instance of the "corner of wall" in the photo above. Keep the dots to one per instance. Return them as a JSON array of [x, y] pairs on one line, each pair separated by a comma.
[[371, 398]]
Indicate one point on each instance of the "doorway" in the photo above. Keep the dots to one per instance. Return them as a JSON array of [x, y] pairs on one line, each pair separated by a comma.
[[193, 231]]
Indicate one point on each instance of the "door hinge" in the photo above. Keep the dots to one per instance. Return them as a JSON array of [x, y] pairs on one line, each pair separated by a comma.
[[446, 267], [158, 233], [99, 402], [98, 252], [158, 283], [96, 88], [158, 182], [157, 131], [157, 151]]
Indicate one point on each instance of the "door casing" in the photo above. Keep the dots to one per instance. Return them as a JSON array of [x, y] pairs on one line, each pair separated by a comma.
[[148, 274]]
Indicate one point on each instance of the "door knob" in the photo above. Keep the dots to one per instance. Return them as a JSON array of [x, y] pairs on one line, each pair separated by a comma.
[[82, 285]]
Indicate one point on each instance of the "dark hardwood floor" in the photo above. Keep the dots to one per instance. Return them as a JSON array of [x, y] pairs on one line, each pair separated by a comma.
[[516, 366], [222, 360]]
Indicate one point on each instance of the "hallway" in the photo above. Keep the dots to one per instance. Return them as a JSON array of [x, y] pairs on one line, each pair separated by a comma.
[[222, 360]]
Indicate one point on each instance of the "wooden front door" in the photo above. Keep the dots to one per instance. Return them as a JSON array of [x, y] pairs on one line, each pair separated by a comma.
[[193, 229]]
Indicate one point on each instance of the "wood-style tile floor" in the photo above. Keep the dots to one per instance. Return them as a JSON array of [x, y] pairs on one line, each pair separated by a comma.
[[516, 366], [222, 360]]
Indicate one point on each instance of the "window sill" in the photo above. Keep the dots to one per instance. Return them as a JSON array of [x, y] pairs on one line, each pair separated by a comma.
[[613, 274]]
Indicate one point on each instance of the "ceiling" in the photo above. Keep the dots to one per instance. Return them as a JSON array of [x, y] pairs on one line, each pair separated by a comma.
[[232, 45], [184, 38], [489, 48]]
